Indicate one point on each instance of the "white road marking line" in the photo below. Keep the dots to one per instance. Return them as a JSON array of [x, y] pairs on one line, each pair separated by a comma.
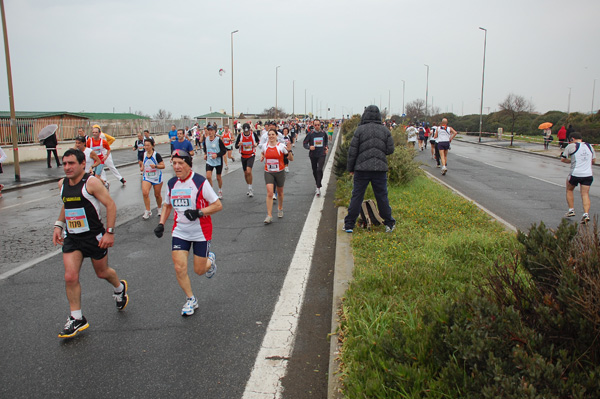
[[27, 202], [271, 362], [546, 181], [42, 258]]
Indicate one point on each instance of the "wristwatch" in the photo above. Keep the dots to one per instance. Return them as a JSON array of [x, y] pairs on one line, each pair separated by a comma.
[[110, 230]]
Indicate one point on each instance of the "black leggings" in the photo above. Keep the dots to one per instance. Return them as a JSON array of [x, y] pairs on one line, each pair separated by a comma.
[[317, 167]]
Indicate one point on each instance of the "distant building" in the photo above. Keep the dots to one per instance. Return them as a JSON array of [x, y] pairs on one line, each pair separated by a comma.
[[219, 118]]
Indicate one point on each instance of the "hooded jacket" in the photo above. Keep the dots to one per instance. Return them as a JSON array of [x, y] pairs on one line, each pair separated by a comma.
[[371, 143]]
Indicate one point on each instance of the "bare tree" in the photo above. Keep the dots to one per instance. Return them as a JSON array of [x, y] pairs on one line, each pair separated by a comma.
[[515, 106], [163, 114], [415, 110], [274, 113]]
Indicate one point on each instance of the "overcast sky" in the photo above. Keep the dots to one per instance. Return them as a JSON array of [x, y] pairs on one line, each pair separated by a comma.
[[105, 55]]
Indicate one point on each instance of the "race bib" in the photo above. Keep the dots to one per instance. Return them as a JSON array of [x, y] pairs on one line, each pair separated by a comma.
[[181, 198], [247, 147], [318, 141], [97, 150], [273, 165], [150, 172], [77, 222]]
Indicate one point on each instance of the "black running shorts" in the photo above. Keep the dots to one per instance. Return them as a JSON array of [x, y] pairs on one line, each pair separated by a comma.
[[87, 246]]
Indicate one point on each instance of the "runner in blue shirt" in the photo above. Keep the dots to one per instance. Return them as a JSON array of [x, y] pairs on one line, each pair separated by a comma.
[[182, 143]]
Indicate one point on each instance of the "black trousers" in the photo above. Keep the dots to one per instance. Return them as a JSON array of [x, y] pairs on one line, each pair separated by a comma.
[[317, 167], [378, 181], [49, 152]]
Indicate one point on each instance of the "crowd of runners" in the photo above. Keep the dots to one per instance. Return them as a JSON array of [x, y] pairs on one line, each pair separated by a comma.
[[189, 195], [192, 196]]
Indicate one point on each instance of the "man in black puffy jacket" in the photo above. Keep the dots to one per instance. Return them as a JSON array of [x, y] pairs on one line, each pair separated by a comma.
[[367, 162]]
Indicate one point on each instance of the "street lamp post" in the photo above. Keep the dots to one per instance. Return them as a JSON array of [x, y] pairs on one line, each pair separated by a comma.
[[11, 100], [482, 80], [276, 77], [403, 87], [426, 93], [293, 97], [232, 107], [593, 92]]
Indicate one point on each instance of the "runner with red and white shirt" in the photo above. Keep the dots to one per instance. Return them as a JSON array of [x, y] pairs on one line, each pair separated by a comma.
[[102, 149], [247, 143], [194, 200], [272, 155]]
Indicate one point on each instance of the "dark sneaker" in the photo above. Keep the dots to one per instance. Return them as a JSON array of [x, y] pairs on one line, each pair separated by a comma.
[[73, 326], [123, 181], [585, 219], [570, 213], [121, 298]]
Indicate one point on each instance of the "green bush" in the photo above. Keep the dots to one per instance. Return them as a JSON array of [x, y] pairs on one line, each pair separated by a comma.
[[340, 162], [532, 332]]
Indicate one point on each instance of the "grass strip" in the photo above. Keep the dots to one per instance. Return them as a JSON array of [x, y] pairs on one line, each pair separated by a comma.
[[442, 245]]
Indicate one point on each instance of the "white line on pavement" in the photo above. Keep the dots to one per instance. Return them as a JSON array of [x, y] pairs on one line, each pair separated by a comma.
[[29, 202], [546, 181], [271, 362]]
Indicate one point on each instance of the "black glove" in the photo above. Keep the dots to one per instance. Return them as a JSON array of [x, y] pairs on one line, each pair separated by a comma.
[[159, 230], [192, 214]]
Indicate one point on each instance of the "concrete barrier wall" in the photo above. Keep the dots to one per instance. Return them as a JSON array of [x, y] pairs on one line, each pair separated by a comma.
[[37, 152]]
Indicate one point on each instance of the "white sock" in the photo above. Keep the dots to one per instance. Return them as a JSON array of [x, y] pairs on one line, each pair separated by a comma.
[[76, 314], [120, 288], [249, 186]]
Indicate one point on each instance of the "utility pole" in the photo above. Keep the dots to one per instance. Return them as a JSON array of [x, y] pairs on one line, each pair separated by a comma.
[[11, 100]]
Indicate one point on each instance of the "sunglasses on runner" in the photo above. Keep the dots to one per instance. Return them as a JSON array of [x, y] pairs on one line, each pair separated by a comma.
[[180, 153]]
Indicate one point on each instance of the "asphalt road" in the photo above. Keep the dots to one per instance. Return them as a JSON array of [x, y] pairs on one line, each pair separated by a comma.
[[149, 350], [520, 187]]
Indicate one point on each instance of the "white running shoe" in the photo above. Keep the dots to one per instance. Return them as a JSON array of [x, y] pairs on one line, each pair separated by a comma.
[[213, 265], [444, 170], [188, 308], [280, 213], [220, 194], [147, 215], [159, 211], [250, 193], [268, 219], [318, 192], [287, 169], [226, 167]]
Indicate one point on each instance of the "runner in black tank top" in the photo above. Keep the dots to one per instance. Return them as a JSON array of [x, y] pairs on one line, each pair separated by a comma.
[[85, 236]]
